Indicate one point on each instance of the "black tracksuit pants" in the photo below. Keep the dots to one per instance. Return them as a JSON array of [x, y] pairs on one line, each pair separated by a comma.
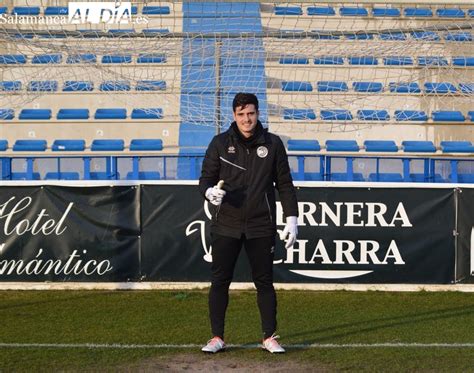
[[260, 253]]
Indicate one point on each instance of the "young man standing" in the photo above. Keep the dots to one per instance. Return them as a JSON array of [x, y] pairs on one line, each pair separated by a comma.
[[251, 162]]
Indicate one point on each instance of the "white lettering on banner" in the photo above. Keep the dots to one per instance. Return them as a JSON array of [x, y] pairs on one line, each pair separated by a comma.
[[357, 214], [338, 252], [343, 253], [99, 12], [73, 266], [39, 225]]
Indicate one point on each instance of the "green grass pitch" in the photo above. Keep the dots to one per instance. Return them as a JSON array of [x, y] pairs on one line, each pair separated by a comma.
[[333, 322]]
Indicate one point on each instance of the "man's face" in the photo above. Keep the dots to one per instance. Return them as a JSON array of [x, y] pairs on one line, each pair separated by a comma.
[[246, 119]]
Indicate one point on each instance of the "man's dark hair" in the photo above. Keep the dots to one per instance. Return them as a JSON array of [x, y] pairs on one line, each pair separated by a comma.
[[244, 99]]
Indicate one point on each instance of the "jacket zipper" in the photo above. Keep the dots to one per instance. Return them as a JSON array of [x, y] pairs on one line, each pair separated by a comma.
[[269, 210]]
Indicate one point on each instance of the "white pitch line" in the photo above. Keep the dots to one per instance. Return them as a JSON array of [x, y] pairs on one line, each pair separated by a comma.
[[241, 346]]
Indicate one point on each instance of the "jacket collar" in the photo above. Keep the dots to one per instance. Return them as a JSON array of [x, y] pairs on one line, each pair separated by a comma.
[[258, 138]]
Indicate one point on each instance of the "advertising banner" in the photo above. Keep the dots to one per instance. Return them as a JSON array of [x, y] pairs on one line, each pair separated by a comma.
[[51, 233], [465, 230], [346, 235]]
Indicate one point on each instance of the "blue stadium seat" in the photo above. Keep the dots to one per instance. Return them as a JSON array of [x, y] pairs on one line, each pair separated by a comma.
[[321, 11], [398, 61], [447, 116], [288, 11], [155, 10], [467, 88], [107, 145], [410, 146], [151, 58], [68, 145], [30, 145], [458, 36], [150, 85], [373, 115], [303, 145], [410, 115], [418, 12], [324, 35], [386, 177], [463, 61], [25, 176], [35, 114], [363, 60], [150, 113], [457, 147], [114, 113], [3, 10], [466, 178], [470, 114], [3, 145], [359, 36], [144, 175], [117, 59], [103, 176], [7, 114], [367, 87], [440, 88], [296, 86], [380, 146], [422, 178], [299, 114], [10, 86], [26, 10], [342, 176], [401, 87], [61, 176], [330, 86], [12, 59], [56, 11], [121, 32], [307, 176], [43, 86], [425, 35], [81, 58], [353, 12], [294, 60], [450, 13], [392, 36], [336, 114], [432, 61], [70, 114], [152, 32], [47, 58], [471, 12], [342, 146], [386, 12], [114, 85], [329, 60], [78, 86], [146, 144]]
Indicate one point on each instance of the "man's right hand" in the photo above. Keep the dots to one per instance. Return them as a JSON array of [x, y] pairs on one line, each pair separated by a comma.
[[215, 195]]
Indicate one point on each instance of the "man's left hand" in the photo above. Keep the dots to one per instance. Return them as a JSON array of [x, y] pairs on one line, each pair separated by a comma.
[[291, 230]]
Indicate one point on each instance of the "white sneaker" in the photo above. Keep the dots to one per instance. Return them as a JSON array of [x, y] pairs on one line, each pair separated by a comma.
[[214, 345], [271, 344]]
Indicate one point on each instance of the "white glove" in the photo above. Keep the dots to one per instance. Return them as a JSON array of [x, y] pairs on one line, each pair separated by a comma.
[[291, 230], [215, 195]]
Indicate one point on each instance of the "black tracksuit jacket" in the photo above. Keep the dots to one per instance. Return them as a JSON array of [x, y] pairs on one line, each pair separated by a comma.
[[251, 170]]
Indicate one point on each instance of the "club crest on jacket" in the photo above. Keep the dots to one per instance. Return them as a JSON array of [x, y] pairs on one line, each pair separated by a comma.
[[262, 151]]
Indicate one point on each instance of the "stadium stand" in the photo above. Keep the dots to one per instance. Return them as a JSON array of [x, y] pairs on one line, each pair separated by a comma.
[[326, 73]]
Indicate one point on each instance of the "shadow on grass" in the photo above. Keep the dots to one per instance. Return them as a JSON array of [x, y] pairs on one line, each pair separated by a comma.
[[337, 331]]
